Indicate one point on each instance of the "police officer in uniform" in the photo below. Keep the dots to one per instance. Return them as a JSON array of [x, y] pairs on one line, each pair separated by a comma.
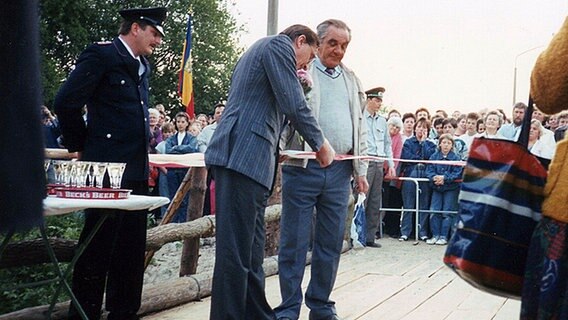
[[378, 145], [111, 79]]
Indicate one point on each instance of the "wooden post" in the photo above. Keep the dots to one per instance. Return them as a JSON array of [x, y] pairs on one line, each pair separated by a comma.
[[190, 251], [172, 208]]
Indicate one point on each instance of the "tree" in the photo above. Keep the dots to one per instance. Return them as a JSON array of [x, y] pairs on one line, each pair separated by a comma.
[[68, 26]]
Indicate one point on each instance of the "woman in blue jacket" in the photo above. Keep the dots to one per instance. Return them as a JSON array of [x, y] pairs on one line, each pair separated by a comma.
[[180, 143], [416, 148]]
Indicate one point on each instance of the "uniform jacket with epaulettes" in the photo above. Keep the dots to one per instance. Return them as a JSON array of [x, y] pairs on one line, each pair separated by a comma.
[[106, 80]]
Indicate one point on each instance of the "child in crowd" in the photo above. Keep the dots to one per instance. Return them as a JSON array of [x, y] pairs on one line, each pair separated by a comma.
[[180, 143], [460, 148], [195, 128], [471, 129], [480, 126], [168, 130], [445, 189]]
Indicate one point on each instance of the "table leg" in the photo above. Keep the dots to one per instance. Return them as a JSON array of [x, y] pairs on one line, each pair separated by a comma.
[[62, 279], [63, 276]]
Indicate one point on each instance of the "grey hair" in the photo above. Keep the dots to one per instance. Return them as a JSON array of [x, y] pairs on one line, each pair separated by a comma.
[[539, 126], [395, 121], [494, 113], [322, 27], [154, 111]]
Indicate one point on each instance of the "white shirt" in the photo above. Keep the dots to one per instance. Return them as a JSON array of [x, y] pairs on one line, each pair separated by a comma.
[[180, 137], [141, 67], [467, 139], [541, 149]]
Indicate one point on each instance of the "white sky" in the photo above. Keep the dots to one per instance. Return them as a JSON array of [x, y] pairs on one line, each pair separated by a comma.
[[448, 54]]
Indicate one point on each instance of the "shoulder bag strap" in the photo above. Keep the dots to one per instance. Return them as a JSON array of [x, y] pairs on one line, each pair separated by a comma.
[[526, 127]]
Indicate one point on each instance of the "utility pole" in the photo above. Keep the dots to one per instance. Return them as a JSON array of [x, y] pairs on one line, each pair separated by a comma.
[[272, 24], [515, 72]]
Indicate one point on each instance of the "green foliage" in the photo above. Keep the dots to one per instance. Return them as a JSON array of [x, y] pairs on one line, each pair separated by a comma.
[[13, 300], [68, 26], [213, 63], [68, 227]]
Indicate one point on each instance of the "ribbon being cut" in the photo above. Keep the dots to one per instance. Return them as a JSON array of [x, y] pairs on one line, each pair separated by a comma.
[[177, 160], [312, 155], [196, 159]]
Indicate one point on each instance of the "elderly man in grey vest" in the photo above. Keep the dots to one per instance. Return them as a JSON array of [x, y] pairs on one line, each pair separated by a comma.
[[337, 101]]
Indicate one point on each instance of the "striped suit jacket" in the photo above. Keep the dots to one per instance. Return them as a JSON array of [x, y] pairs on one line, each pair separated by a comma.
[[264, 92]]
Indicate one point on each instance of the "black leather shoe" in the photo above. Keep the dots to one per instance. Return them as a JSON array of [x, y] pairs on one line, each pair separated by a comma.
[[123, 316], [373, 245]]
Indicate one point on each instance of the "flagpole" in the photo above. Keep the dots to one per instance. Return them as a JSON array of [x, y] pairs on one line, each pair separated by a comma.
[[185, 86]]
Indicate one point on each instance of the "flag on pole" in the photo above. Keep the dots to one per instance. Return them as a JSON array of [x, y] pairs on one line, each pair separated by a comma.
[[185, 88]]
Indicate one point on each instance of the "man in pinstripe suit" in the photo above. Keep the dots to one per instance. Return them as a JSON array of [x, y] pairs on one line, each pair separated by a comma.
[[242, 155]]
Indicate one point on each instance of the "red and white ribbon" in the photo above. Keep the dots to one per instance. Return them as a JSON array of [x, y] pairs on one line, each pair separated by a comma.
[[197, 159], [312, 155]]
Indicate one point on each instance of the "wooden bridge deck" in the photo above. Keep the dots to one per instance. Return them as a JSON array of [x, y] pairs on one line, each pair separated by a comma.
[[398, 281]]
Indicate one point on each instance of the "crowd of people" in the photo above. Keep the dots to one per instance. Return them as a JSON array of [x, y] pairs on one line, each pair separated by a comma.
[[427, 137]]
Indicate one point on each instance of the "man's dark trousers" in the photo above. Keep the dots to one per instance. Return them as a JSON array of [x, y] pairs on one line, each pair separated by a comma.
[[123, 235], [238, 288]]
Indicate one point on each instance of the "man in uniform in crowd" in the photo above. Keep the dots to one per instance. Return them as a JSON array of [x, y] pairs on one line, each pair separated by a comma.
[[379, 145], [111, 79]]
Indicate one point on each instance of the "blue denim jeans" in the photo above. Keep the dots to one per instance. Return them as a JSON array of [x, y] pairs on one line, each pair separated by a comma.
[[164, 191], [175, 177], [440, 223], [409, 204], [303, 189]]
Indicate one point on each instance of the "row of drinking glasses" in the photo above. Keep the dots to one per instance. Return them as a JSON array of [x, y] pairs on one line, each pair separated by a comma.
[[81, 174]]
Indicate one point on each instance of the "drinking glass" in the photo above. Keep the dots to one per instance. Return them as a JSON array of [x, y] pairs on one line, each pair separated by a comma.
[[58, 168], [65, 176], [72, 174], [48, 171], [46, 163], [115, 172], [91, 174], [99, 169], [82, 173]]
